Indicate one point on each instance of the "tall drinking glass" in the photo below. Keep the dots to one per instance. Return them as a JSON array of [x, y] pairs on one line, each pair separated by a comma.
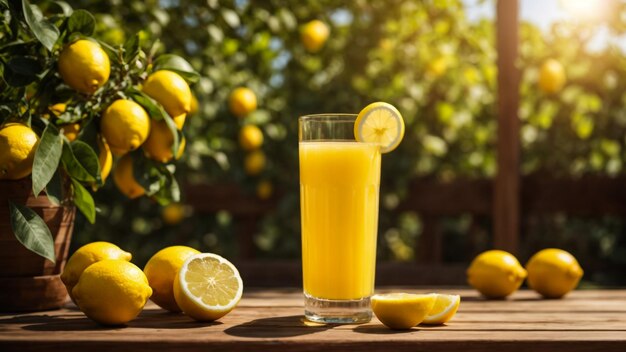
[[339, 186]]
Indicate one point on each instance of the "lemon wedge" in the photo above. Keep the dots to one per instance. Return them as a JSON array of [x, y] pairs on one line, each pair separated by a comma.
[[380, 123], [207, 287], [444, 309], [402, 310]]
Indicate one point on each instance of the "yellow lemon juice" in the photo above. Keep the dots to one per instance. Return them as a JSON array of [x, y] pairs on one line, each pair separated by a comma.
[[339, 187]]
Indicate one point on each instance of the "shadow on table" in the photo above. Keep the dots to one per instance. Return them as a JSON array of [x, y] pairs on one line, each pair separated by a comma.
[[149, 319], [288, 326], [44, 322], [162, 319], [382, 330]]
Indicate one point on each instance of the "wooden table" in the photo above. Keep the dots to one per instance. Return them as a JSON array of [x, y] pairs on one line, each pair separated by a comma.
[[266, 320]]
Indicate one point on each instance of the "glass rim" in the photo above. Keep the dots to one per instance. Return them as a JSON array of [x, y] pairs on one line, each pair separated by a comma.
[[328, 116]]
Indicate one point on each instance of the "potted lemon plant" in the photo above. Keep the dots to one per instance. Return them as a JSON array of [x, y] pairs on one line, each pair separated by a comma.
[[74, 110]]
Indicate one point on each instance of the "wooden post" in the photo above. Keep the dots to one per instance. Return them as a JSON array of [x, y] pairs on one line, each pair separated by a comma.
[[506, 204]]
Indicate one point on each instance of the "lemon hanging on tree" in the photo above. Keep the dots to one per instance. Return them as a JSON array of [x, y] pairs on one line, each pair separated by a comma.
[[105, 158], [84, 66], [242, 101], [125, 179], [254, 163], [250, 137], [125, 125], [18, 143], [169, 89], [551, 76], [313, 35], [158, 146]]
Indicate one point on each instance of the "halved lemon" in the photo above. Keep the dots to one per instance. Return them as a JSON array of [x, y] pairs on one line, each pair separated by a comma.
[[402, 310], [380, 123], [444, 309], [207, 287]]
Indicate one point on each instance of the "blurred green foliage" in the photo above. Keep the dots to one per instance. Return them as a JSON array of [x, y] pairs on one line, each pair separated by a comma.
[[425, 57]]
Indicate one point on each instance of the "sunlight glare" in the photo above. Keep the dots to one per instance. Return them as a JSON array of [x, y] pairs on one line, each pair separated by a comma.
[[586, 9]]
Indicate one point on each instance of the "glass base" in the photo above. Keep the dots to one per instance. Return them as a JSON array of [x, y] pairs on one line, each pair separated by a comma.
[[330, 311]]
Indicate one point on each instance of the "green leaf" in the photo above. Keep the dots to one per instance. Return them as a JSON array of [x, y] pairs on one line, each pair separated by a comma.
[[65, 7], [20, 71], [81, 21], [177, 64], [84, 201], [81, 162], [47, 157], [169, 192], [131, 47], [171, 125], [44, 31], [154, 109], [147, 173], [156, 178], [54, 189], [31, 231]]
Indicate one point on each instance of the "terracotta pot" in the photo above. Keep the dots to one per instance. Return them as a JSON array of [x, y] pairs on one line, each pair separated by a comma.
[[29, 282]]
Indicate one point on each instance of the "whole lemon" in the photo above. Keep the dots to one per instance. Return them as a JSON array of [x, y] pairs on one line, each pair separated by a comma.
[[170, 90], [250, 137], [87, 255], [180, 121], [84, 66], [112, 292], [495, 274], [181, 149], [18, 144], [71, 131], [125, 179], [437, 67], [314, 35], [58, 108], [173, 213], [158, 146], [242, 101], [551, 76], [553, 272], [161, 270], [125, 125], [264, 190], [105, 158], [194, 105], [254, 163]]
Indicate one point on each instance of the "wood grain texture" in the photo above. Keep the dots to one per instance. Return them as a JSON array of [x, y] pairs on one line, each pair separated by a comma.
[[272, 320], [506, 204]]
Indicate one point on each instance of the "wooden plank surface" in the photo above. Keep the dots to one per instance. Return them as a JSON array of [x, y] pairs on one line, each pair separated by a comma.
[[272, 320]]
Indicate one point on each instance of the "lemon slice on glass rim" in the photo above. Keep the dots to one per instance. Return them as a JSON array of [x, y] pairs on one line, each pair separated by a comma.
[[380, 123]]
